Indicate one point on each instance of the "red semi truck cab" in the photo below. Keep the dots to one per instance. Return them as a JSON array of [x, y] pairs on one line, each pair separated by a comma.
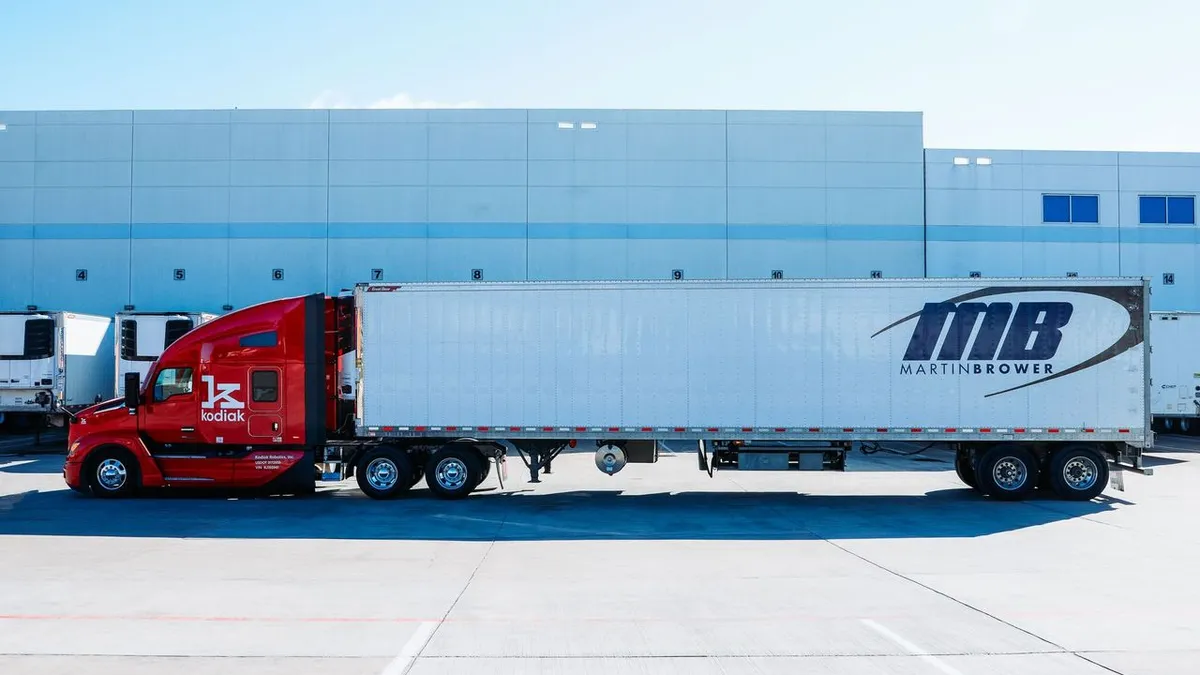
[[242, 401]]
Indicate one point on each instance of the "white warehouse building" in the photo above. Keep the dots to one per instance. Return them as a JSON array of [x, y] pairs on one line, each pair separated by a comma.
[[213, 210]]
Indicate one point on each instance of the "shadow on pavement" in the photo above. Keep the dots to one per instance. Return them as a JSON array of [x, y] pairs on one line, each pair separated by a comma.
[[32, 464], [517, 516]]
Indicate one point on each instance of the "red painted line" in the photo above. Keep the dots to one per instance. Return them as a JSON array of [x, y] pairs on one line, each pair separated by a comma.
[[212, 619]]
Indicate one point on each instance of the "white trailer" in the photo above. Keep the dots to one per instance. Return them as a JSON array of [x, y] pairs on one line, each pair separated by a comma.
[[1029, 380], [142, 337], [52, 363], [1175, 371]]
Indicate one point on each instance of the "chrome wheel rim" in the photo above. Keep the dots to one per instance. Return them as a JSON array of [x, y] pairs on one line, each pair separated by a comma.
[[1010, 473], [451, 474], [1080, 473], [382, 473], [111, 474]]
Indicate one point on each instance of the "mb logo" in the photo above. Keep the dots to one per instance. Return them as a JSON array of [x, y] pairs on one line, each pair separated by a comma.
[[1030, 333], [221, 393]]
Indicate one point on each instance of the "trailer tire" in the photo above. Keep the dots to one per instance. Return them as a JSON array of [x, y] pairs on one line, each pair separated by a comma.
[[965, 469], [454, 471], [1007, 473], [1078, 473], [380, 470], [112, 473]]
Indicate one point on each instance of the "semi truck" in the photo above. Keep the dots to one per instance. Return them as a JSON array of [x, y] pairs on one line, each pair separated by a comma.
[[52, 363], [1175, 371], [142, 337], [1033, 383]]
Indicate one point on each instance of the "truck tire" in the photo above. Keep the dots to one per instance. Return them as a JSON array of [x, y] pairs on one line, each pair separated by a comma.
[[384, 472], [112, 472], [965, 469], [1007, 472], [1078, 473], [454, 471]]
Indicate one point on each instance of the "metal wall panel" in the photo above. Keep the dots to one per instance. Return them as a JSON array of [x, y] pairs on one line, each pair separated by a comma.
[[205, 274]]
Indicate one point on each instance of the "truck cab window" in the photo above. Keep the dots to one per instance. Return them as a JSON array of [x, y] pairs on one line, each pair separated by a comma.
[[264, 386], [173, 382]]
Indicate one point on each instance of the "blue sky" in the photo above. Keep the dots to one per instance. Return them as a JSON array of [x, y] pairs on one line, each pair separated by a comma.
[[1069, 74]]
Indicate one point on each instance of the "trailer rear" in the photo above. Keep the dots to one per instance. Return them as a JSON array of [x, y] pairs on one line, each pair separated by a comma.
[[1175, 371], [141, 338], [51, 364]]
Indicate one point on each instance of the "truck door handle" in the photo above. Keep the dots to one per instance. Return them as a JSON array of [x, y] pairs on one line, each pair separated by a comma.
[[188, 429], [274, 426]]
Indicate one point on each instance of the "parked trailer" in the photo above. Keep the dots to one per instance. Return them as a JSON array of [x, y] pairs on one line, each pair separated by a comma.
[[1175, 371], [1030, 381], [52, 363], [142, 337]]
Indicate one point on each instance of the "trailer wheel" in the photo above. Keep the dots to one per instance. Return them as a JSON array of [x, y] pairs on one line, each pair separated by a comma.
[[1078, 473], [112, 472], [384, 473], [965, 469], [454, 471], [1008, 473]]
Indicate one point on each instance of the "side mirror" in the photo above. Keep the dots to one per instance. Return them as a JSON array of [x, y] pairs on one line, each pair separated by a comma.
[[133, 382]]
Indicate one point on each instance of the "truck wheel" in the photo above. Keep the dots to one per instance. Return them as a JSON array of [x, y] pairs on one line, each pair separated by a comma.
[[1078, 473], [454, 471], [384, 473], [1008, 473], [965, 470], [112, 473]]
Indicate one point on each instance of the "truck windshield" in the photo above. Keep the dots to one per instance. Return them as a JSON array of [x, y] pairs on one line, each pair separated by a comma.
[[22, 338]]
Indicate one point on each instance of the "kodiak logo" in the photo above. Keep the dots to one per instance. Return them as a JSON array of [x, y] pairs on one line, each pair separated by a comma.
[[1003, 338], [221, 393]]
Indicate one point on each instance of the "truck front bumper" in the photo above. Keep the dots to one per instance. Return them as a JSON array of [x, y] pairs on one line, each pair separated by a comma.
[[73, 476]]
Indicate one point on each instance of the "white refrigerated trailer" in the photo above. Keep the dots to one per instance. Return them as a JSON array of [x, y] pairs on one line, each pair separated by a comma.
[[1030, 381], [142, 337], [1175, 371], [52, 363]]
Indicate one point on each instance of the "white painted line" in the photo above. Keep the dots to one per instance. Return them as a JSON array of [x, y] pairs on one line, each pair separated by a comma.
[[412, 648], [9, 465], [911, 648]]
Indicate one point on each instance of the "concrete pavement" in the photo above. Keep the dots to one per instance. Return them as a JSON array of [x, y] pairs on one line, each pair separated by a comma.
[[891, 567]]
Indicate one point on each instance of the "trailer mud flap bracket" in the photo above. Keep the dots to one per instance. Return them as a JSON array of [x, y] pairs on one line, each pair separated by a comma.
[[702, 458]]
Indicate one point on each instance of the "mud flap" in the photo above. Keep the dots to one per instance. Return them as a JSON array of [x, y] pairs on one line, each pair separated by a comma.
[[1116, 477]]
